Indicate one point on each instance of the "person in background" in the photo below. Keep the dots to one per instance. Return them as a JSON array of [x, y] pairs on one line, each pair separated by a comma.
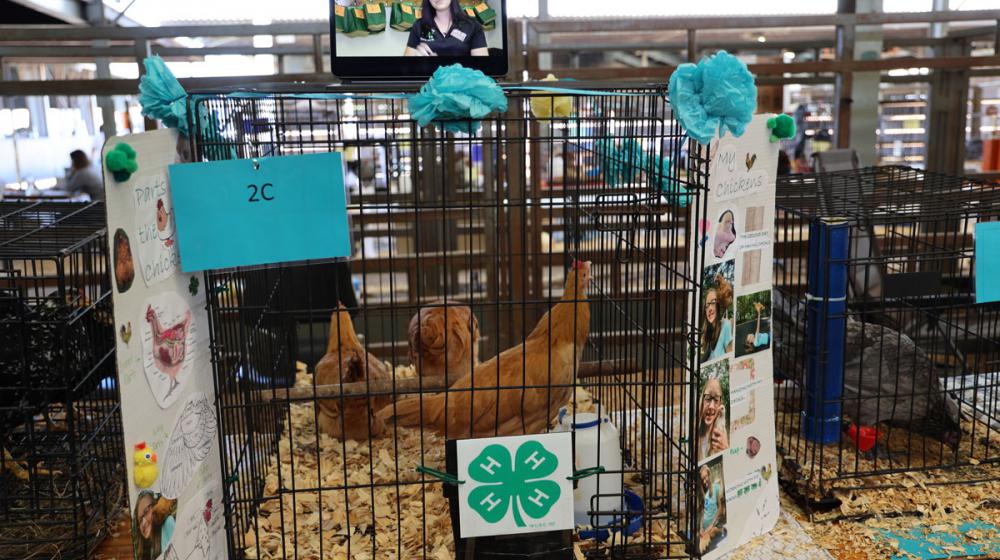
[[81, 179], [444, 29]]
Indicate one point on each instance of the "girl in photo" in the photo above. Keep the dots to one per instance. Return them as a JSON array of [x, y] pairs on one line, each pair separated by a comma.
[[712, 436], [713, 511], [444, 29], [717, 329], [757, 340], [152, 525], [725, 234]]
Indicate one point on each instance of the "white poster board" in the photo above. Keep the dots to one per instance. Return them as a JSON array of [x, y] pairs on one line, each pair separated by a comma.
[[164, 368], [735, 441]]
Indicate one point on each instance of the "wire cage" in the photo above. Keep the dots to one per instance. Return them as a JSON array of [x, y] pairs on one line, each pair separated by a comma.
[[462, 244], [886, 364], [62, 479]]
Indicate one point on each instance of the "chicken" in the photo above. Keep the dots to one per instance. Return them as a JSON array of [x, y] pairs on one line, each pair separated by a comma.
[[145, 472], [547, 359], [169, 345], [346, 361], [444, 340], [887, 377]]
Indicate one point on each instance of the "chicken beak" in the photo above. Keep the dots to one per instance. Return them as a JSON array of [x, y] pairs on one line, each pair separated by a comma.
[[154, 457]]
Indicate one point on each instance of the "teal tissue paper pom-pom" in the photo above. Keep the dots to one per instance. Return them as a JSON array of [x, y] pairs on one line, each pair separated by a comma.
[[162, 96], [456, 99], [715, 95], [121, 162]]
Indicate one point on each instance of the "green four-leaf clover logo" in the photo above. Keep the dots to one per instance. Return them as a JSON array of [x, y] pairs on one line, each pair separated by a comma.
[[519, 485]]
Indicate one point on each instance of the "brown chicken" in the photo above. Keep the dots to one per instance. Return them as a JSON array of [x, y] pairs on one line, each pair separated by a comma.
[[547, 359], [444, 340], [346, 360]]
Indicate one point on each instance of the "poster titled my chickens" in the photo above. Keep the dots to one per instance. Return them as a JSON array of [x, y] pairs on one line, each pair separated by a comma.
[[737, 483], [164, 368]]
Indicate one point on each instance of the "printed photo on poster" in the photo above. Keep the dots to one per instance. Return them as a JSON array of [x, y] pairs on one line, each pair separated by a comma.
[[153, 524], [717, 311], [754, 220], [154, 223], [750, 273], [200, 528], [124, 267], [168, 346], [712, 497], [753, 323], [191, 441], [725, 234], [713, 403]]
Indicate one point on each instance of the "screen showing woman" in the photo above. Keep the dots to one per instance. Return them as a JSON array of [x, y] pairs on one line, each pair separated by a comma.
[[444, 29]]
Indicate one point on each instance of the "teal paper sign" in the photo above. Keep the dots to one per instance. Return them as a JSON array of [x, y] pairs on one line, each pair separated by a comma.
[[987, 262], [251, 212]]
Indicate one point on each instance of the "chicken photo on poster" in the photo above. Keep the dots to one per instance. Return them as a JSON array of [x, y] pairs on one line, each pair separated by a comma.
[[169, 335], [753, 323], [725, 234], [153, 525], [190, 443], [124, 265], [200, 528], [717, 338], [712, 507], [713, 404], [154, 229]]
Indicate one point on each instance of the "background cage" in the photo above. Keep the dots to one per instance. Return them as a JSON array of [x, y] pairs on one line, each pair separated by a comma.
[[492, 221], [59, 403], [900, 345]]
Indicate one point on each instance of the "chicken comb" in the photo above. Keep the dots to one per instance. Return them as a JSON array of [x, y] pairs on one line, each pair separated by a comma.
[[140, 446]]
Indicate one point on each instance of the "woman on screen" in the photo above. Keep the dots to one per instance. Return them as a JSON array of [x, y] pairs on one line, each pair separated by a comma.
[[444, 29]]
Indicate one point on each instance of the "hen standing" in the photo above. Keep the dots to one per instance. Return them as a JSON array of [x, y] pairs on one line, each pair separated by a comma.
[[347, 361], [490, 400], [444, 340]]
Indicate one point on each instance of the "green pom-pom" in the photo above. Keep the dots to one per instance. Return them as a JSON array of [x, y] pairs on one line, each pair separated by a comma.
[[121, 162], [782, 126]]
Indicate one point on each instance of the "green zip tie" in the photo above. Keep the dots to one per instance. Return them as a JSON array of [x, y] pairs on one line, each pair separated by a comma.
[[585, 473], [442, 476]]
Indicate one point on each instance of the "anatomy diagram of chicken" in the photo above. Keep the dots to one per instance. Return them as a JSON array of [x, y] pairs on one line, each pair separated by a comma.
[[548, 359], [444, 340], [347, 361], [169, 345], [190, 443]]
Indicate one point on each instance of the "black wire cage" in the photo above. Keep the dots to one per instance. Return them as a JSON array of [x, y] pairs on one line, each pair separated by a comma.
[[886, 364], [62, 478], [461, 245]]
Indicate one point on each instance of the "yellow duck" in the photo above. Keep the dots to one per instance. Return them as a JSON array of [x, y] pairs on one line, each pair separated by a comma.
[[545, 105], [146, 470]]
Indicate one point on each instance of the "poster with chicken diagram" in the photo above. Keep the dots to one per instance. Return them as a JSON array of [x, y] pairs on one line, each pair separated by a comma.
[[737, 482], [165, 376], [169, 344]]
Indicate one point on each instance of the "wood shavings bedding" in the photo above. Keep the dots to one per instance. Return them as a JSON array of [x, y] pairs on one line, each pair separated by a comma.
[[385, 510]]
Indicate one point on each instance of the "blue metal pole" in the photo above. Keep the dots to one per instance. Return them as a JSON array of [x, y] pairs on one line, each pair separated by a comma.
[[826, 323]]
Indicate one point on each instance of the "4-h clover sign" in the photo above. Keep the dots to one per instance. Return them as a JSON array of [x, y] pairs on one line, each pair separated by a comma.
[[516, 484]]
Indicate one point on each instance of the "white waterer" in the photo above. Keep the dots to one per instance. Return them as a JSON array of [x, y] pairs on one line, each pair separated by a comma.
[[597, 445]]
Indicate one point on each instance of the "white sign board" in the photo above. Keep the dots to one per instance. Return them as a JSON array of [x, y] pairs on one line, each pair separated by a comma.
[[518, 484], [737, 458], [164, 367]]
